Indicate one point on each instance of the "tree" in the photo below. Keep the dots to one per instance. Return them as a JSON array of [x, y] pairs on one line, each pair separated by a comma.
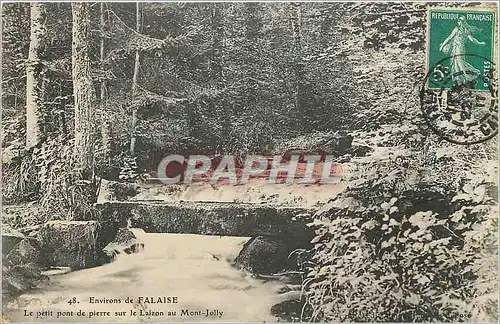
[[219, 106], [253, 27], [83, 90], [34, 74], [105, 129], [294, 16], [134, 80]]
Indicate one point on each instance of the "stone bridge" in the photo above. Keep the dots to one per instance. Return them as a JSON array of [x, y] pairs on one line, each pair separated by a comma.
[[275, 231], [210, 218]]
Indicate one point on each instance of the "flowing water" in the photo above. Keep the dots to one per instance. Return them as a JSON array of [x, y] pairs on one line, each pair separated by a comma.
[[194, 270]]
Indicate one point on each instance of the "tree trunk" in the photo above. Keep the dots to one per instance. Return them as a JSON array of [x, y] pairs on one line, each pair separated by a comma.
[[34, 74], [105, 131], [83, 91], [253, 27], [217, 73], [217, 60], [134, 82], [296, 26]]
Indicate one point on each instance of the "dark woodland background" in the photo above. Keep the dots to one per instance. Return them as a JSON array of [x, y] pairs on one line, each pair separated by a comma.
[[413, 238]]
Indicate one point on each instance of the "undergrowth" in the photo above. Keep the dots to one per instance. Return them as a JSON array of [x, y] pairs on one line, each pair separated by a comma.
[[47, 175], [405, 255]]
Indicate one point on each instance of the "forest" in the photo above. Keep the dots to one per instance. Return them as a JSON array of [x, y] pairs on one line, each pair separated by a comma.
[[101, 90]]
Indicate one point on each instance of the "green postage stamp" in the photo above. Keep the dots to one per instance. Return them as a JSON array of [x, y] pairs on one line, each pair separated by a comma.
[[460, 47], [459, 96]]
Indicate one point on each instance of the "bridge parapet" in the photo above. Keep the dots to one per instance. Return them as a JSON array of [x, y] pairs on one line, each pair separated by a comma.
[[211, 218]]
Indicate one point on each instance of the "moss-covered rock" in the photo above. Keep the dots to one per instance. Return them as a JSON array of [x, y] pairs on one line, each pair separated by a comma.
[[74, 244], [267, 255], [26, 251], [20, 278], [262, 255], [10, 238]]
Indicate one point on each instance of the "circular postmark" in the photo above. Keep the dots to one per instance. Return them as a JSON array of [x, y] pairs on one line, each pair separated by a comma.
[[459, 103]]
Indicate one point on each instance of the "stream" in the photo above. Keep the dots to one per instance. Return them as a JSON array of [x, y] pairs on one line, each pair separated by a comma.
[[180, 277]]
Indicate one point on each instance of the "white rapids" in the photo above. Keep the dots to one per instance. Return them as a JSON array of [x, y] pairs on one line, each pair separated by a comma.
[[196, 269]]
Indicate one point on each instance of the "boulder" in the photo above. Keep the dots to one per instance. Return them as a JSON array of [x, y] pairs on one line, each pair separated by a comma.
[[74, 244], [24, 252], [290, 306], [125, 241], [12, 153], [10, 238], [20, 278], [263, 255]]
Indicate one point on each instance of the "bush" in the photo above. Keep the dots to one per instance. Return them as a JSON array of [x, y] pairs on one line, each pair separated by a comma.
[[415, 252], [19, 178], [63, 193]]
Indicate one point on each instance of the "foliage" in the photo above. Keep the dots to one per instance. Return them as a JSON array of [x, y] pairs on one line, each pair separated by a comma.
[[224, 72], [19, 178], [414, 237], [46, 174], [405, 255], [128, 172], [63, 194]]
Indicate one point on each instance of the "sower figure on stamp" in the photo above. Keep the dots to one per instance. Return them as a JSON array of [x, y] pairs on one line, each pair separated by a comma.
[[454, 44]]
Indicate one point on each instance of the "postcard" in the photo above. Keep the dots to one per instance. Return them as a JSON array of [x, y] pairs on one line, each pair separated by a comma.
[[249, 162]]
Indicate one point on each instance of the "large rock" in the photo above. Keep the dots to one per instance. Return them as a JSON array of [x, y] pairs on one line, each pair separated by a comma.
[[20, 278], [10, 238], [74, 244], [264, 255], [290, 306], [24, 252]]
